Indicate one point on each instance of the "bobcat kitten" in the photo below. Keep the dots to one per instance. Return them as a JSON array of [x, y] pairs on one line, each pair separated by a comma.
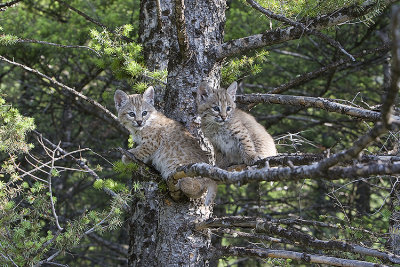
[[236, 136], [163, 142]]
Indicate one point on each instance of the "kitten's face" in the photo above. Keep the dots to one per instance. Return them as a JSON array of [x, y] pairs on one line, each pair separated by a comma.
[[135, 110], [216, 106]]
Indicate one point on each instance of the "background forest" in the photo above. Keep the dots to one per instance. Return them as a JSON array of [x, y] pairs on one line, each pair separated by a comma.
[[64, 193]]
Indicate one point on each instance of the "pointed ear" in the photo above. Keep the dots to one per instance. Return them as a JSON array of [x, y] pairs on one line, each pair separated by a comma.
[[120, 99], [203, 92], [232, 90], [148, 95]]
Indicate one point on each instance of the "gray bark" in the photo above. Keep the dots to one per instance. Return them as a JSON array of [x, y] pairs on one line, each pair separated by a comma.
[[161, 230]]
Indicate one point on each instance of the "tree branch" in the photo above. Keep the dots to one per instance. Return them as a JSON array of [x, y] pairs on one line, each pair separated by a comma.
[[110, 117], [299, 238], [393, 90], [58, 45], [343, 63], [324, 37], [288, 173], [280, 35], [82, 165], [53, 209], [314, 102], [286, 254], [88, 18], [3, 6]]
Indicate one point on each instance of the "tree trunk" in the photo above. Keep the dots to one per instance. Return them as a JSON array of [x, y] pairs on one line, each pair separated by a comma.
[[161, 230]]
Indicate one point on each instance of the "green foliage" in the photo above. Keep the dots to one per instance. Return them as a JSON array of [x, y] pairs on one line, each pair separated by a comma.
[[236, 69], [125, 58], [125, 169], [306, 8], [13, 129]]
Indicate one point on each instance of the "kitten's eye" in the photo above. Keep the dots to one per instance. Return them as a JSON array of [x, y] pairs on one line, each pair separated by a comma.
[[228, 108], [216, 108], [144, 113], [131, 114]]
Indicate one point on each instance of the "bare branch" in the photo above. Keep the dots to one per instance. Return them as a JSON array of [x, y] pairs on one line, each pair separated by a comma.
[[58, 45], [83, 165], [120, 249], [324, 37], [300, 238], [49, 259], [88, 18], [107, 114], [286, 254], [289, 173], [53, 209], [280, 35], [314, 102], [316, 73]]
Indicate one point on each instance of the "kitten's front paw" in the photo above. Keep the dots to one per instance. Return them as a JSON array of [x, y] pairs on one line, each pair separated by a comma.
[[191, 187]]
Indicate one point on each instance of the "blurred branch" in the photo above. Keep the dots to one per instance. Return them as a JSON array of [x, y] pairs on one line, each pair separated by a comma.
[[110, 116], [342, 63], [393, 90], [58, 45], [88, 18], [286, 254], [110, 245], [285, 20], [3, 6], [280, 35], [299, 238]]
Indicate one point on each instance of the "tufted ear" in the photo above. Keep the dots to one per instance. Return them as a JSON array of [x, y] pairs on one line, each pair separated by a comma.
[[120, 99], [232, 90], [203, 92], [148, 95]]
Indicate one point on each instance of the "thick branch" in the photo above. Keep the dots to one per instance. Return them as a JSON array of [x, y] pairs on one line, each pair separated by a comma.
[[289, 173], [303, 159], [286, 254], [393, 90], [239, 46]]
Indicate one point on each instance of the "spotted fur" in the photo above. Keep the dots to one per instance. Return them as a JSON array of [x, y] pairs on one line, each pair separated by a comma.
[[236, 136], [163, 142]]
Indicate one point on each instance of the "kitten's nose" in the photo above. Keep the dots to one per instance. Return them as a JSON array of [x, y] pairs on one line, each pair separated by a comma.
[[139, 122], [223, 118]]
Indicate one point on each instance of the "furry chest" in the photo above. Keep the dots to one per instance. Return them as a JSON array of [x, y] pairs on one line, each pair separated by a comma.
[[228, 145]]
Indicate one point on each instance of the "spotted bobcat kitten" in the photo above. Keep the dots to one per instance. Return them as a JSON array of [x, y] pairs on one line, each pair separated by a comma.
[[164, 143], [236, 136]]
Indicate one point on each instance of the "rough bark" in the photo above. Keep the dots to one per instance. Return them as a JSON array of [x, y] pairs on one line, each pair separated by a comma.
[[175, 37], [192, 63]]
